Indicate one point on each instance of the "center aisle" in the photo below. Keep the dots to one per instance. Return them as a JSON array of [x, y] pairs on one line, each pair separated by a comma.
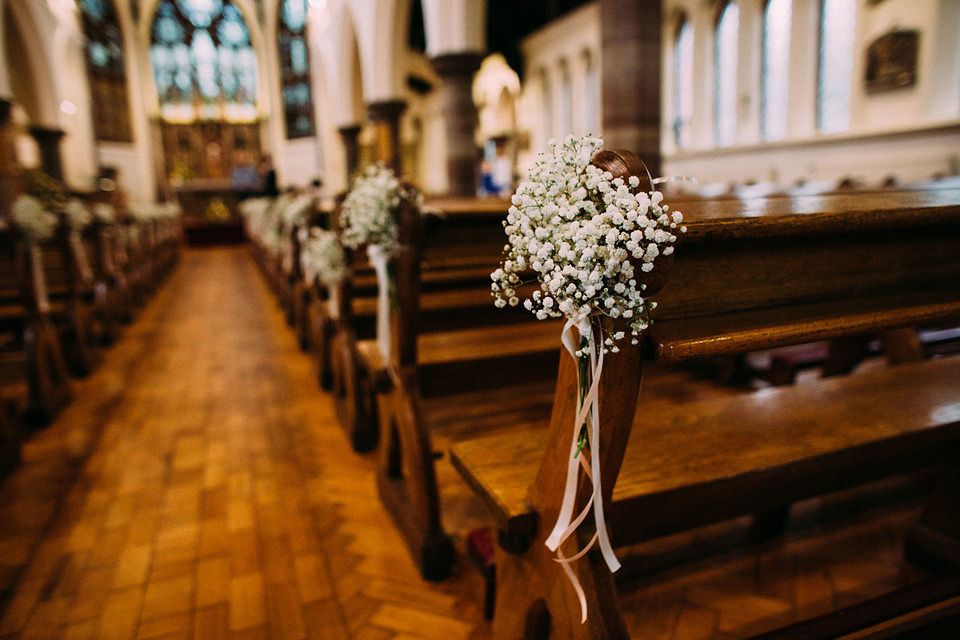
[[219, 497]]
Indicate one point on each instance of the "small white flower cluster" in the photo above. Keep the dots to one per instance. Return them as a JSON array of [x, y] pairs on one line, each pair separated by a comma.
[[367, 214], [322, 257], [78, 215], [265, 223], [104, 212], [296, 210], [580, 230], [33, 219]]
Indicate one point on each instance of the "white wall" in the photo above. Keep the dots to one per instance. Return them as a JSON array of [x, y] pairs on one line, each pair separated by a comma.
[[557, 54], [911, 133]]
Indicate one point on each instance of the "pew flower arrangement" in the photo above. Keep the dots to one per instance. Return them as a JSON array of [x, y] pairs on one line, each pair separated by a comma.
[[581, 231], [33, 219], [78, 215], [104, 212], [368, 217], [577, 227], [322, 257]]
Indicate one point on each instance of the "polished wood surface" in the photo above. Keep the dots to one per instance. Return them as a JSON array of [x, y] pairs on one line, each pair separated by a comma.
[[746, 276], [199, 487]]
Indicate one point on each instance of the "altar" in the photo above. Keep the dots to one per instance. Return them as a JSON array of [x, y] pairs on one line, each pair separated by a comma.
[[211, 211]]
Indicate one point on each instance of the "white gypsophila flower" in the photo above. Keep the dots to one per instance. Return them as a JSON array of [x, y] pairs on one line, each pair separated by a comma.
[[583, 233], [322, 257], [296, 210], [78, 215], [367, 213], [33, 220], [104, 212]]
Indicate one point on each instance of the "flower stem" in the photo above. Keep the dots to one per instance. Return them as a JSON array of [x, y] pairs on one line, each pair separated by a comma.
[[583, 385]]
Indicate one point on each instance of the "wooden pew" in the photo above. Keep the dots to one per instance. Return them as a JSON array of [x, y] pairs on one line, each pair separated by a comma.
[[464, 240], [746, 276], [30, 351], [448, 339], [70, 289]]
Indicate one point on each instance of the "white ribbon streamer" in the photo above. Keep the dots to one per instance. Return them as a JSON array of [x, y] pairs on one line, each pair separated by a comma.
[[588, 407], [378, 258], [39, 279], [333, 301]]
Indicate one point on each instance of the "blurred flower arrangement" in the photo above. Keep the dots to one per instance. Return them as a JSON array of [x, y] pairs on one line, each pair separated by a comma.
[[367, 215], [33, 219]]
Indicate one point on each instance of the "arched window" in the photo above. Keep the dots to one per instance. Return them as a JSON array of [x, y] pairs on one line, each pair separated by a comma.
[[295, 68], [837, 25], [546, 96], [776, 68], [683, 84], [566, 100], [725, 76], [105, 71], [591, 99], [203, 63]]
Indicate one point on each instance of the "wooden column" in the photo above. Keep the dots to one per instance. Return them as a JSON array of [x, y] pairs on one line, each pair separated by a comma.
[[630, 32], [9, 170], [460, 116], [48, 140], [351, 146], [385, 116]]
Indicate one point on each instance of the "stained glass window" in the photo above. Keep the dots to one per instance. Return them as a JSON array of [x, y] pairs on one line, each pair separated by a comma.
[[295, 68], [204, 65], [776, 68], [105, 70], [725, 76]]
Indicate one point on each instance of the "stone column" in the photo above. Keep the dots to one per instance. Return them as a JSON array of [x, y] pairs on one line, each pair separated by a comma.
[[48, 140], [351, 146], [630, 33], [385, 116], [456, 71]]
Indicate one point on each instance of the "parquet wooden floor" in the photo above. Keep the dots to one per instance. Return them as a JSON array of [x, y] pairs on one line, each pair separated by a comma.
[[199, 487]]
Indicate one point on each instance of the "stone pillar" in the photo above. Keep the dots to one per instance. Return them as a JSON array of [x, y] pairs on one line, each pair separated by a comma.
[[48, 140], [456, 71], [351, 146], [630, 33], [385, 116]]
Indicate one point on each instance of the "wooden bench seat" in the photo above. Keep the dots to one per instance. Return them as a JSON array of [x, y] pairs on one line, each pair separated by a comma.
[[746, 276], [777, 444]]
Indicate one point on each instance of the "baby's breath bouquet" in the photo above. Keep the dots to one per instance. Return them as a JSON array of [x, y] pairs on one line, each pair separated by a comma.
[[104, 213], [321, 257], [78, 215], [33, 219], [580, 231], [367, 216]]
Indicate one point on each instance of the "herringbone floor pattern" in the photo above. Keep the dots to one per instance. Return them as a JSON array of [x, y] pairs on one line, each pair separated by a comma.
[[199, 487]]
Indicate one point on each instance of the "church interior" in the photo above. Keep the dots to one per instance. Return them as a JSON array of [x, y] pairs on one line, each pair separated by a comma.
[[314, 319]]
